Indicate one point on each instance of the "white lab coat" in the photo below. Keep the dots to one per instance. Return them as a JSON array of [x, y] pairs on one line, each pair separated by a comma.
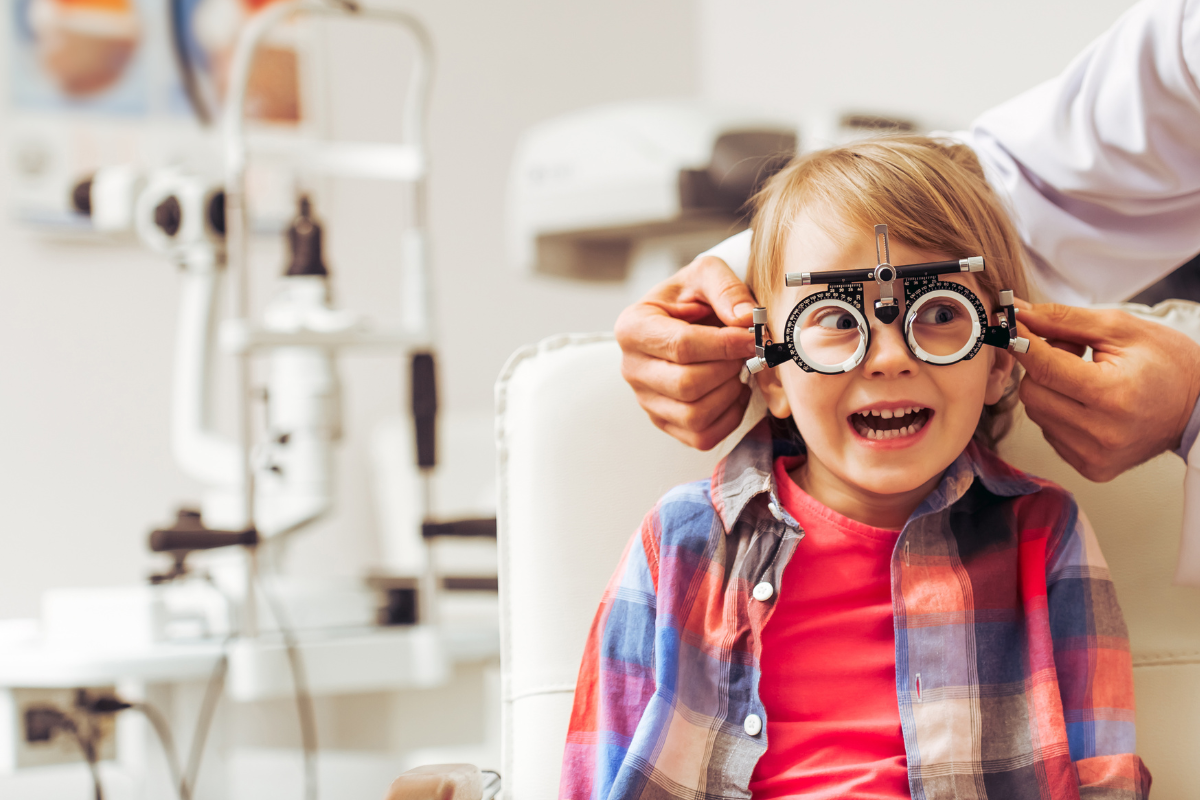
[[1101, 166]]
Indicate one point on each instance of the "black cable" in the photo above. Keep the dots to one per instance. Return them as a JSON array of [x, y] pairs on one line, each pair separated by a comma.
[[163, 730], [184, 782], [87, 744], [89, 754], [304, 701], [103, 706]]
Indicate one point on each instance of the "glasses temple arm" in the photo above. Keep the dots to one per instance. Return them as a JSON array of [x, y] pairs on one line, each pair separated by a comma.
[[766, 354], [1004, 335]]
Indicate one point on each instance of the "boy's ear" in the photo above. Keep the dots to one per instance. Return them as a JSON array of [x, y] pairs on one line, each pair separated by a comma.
[[998, 375], [772, 389]]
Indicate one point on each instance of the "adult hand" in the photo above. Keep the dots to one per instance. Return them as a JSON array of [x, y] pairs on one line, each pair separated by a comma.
[[681, 359], [438, 782], [1130, 403]]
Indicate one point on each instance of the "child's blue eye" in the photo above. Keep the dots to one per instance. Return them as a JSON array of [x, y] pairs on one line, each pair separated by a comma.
[[838, 320], [938, 314]]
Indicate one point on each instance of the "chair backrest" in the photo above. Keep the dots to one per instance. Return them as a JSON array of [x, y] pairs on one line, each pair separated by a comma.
[[580, 464]]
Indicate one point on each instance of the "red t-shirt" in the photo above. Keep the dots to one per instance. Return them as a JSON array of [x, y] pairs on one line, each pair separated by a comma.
[[829, 663]]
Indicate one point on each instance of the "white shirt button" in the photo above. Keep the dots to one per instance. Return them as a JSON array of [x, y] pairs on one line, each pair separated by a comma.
[[753, 725], [773, 507], [763, 592]]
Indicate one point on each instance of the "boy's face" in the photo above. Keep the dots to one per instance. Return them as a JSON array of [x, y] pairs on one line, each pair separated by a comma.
[[828, 409]]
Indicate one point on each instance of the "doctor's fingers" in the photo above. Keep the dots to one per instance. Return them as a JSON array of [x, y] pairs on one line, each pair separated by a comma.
[[708, 280], [1051, 409], [1100, 443], [1087, 326], [1084, 455], [709, 437], [1060, 369], [1060, 420], [647, 329], [1074, 348], [1062, 344], [684, 382], [1091, 458], [698, 415], [1143, 390]]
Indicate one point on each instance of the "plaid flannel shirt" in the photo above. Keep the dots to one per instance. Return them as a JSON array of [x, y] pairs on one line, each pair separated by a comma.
[[1013, 670]]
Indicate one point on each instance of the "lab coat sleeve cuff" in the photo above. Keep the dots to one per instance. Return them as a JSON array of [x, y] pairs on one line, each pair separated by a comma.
[[734, 251], [1189, 436], [1187, 571]]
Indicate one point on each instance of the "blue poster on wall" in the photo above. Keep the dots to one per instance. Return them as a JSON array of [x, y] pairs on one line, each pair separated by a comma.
[[94, 83], [79, 57]]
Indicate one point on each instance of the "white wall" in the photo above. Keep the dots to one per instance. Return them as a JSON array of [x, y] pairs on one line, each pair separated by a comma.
[[943, 61], [86, 333]]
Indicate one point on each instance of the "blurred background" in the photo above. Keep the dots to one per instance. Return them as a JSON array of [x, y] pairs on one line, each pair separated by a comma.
[[90, 318]]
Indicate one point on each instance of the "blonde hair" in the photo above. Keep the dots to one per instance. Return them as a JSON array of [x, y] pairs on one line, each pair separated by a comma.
[[932, 195]]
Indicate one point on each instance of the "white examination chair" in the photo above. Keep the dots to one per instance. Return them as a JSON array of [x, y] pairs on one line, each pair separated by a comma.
[[580, 464]]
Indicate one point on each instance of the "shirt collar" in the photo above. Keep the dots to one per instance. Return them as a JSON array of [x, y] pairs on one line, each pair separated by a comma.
[[747, 472], [743, 474], [998, 477]]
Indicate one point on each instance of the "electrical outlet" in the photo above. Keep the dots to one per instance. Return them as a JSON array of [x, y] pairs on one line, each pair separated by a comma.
[[32, 733]]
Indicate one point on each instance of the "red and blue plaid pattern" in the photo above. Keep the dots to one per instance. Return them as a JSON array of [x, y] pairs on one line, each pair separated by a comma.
[[1013, 669]]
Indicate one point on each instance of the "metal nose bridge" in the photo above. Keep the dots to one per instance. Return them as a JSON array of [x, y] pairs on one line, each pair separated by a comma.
[[883, 253], [886, 308]]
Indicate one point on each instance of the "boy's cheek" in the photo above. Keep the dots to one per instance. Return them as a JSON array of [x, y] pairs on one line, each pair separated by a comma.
[[963, 388], [812, 401]]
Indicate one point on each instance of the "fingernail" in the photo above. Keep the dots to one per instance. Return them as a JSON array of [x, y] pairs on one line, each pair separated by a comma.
[[743, 310]]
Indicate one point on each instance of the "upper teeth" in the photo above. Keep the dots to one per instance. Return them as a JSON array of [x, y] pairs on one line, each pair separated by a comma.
[[872, 432], [888, 413]]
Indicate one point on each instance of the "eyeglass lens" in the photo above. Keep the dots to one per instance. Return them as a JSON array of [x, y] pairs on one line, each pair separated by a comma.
[[942, 326], [829, 334]]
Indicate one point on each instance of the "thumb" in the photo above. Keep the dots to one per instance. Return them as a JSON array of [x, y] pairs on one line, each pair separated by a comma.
[[715, 284]]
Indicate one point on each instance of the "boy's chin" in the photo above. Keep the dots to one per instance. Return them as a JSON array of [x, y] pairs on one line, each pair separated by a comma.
[[886, 481]]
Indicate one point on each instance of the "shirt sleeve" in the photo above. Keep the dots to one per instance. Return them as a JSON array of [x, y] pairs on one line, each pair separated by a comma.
[[1190, 433], [1101, 164], [616, 676], [1187, 571], [1094, 665], [734, 251]]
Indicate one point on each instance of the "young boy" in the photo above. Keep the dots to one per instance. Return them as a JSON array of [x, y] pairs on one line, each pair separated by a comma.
[[873, 605]]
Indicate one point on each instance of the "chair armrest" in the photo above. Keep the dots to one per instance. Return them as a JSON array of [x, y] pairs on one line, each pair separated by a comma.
[[440, 782]]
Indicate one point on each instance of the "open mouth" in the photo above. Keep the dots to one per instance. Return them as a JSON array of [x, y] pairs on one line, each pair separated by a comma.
[[890, 423]]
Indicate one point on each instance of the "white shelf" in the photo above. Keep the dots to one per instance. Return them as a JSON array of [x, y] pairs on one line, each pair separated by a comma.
[[336, 661], [34, 666], [340, 663], [237, 336], [381, 161]]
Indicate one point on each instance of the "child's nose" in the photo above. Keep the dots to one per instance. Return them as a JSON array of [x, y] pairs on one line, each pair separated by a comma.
[[889, 356]]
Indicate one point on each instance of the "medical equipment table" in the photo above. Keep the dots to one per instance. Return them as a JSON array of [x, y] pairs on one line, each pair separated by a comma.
[[337, 662]]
